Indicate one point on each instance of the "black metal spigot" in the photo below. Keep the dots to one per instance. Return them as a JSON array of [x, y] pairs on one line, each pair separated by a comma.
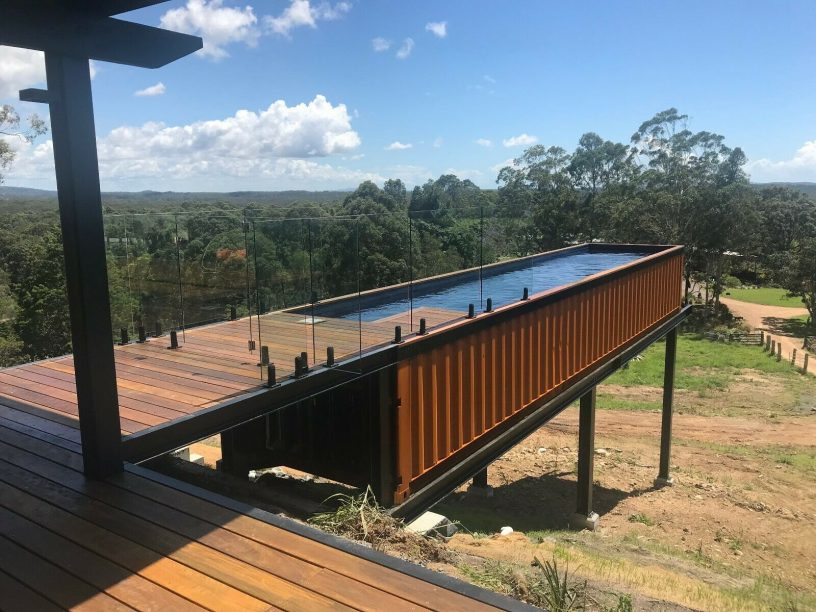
[[422, 327], [329, 356], [471, 311], [271, 375], [174, 340], [525, 294], [124, 338], [142, 335], [489, 305]]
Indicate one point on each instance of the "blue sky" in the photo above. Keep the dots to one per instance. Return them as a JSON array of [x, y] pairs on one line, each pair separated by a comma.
[[463, 97]]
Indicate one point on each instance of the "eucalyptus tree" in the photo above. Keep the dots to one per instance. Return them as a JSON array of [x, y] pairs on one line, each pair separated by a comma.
[[10, 129], [693, 191]]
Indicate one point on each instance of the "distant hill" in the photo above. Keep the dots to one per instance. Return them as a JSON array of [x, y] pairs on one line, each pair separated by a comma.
[[22, 198], [807, 188]]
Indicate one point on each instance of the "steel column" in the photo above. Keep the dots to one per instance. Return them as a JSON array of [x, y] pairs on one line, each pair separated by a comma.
[[80, 205], [585, 518], [663, 477], [480, 479]]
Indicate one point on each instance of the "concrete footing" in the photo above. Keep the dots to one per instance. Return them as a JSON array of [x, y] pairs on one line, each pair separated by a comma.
[[431, 522], [581, 521], [659, 482], [479, 491]]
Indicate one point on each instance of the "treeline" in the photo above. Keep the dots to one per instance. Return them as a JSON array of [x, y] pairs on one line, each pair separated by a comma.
[[192, 262]]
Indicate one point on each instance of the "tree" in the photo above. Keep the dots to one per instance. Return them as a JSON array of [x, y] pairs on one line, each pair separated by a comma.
[[796, 271], [538, 193], [10, 128]]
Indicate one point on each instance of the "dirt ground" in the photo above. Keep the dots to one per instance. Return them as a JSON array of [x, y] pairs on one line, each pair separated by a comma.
[[736, 531]]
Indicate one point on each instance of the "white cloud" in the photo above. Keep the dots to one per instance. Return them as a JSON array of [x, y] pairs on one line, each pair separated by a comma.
[[438, 142], [19, 69], [489, 79], [437, 28], [520, 140], [380, 44], [245, 151], [801, 167], [218, 25], [154, 90], [484, 142], [301, 13], [507, 162], [405, 50], [398, 146], [465, 173]]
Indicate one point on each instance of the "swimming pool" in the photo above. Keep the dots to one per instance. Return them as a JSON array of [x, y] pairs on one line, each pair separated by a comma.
[[503, 283]]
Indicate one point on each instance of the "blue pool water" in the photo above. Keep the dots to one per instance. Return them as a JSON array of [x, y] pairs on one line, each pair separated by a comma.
[[502, 287]]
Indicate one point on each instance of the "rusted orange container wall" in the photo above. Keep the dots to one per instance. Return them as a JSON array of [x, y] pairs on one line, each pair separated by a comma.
[[452, 395]]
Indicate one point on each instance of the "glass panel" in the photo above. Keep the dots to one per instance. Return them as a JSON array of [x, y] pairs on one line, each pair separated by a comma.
[[507, 269], [213, 261], [446, 254], [151, 273], [281, 258], [335, 297], [122, 299], [385, 275]]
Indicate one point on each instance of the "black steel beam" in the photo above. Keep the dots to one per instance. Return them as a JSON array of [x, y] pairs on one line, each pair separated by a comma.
[[100, 38], [664, 477], [80, 207], [528, 422], [98, 8], [160, 439]]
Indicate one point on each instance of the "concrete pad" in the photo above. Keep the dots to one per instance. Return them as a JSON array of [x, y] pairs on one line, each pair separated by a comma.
[[431, 522], [580, 521], [659, 482], [480, 491]]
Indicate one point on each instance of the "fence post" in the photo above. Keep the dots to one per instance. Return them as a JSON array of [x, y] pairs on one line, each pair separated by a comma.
[[779, 351], [768, 342], [761, 338], [773, 348], [793, 357], [805, 367]]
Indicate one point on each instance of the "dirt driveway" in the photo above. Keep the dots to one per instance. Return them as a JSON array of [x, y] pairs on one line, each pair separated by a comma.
[[773, 319]]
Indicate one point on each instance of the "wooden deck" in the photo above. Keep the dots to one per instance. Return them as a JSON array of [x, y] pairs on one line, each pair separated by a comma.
[[212, 365], [143, 541]]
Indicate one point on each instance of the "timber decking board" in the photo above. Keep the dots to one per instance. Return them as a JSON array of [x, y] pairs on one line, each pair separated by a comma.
[[213, 365], [147, 542]]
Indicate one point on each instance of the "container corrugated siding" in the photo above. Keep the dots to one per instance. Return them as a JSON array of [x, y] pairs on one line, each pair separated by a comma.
[[452, 395]]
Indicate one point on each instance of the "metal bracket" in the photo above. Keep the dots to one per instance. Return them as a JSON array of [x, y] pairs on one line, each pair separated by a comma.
[[40, 96]]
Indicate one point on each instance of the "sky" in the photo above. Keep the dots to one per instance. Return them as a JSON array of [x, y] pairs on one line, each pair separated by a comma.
[[315, 95]]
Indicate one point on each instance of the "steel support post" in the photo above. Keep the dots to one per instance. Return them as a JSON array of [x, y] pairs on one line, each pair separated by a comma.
[[80, 206], [663, 477], [584, 517]]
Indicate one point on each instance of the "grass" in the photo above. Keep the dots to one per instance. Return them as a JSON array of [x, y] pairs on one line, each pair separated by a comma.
[[702, 365], [800, 458], [642, 519], [544, 586], [666, 583], [768, 296]]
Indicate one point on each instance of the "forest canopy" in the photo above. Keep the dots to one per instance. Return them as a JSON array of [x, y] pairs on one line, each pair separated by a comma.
[[189, 260]]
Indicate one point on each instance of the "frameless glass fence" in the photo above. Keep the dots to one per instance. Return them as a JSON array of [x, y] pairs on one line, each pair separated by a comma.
[[306, 288]]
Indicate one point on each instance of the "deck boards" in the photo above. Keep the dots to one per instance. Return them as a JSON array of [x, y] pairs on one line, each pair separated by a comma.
[[144, 541], [157, 385]]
